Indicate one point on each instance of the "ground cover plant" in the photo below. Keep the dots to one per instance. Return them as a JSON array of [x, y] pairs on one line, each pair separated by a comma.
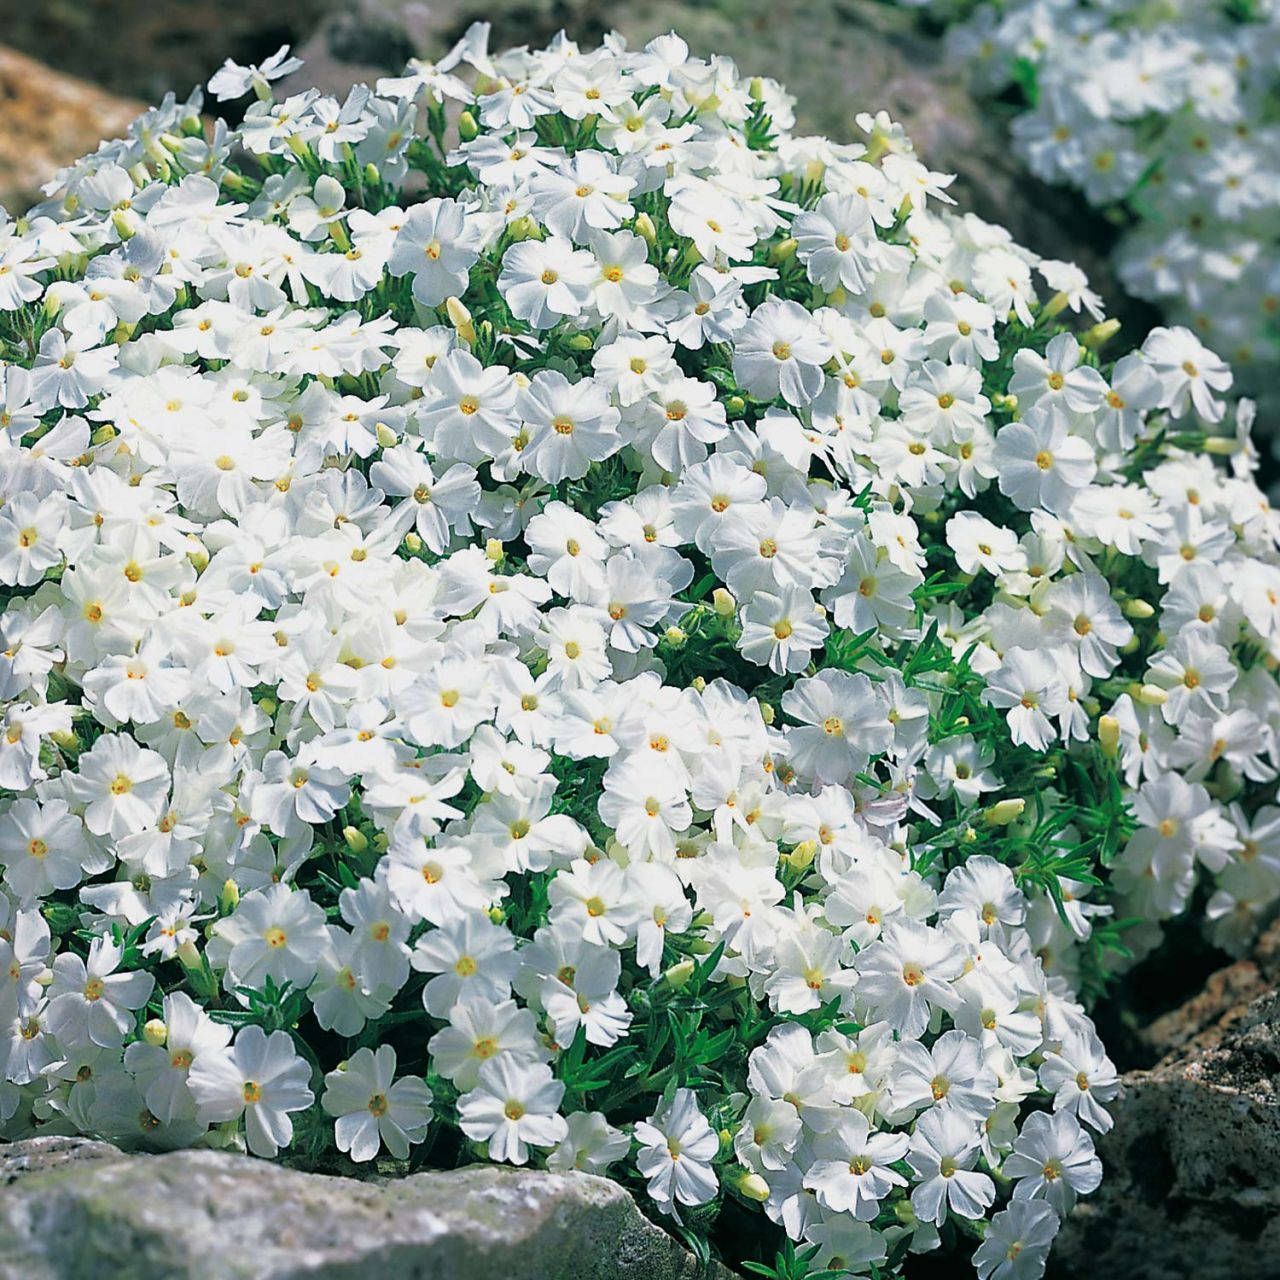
[[549, 619]]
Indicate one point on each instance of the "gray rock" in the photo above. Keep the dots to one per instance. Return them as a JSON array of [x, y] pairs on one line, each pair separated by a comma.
[[1192, 1167], [73, 1209]]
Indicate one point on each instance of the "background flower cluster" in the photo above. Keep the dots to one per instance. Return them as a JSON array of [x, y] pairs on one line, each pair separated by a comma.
[[547, 618], [1166, 116]]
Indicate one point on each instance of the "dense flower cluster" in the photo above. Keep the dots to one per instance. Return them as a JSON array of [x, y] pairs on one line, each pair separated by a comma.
[[1168, 112], [587, 628]]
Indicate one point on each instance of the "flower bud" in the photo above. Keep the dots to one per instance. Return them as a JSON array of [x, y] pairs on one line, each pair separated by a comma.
[[1101, 333], [802, 856], [412, 543], [1151, 695], [723, 602], [753, 1187], [460, 318], [229, 897], [387, 439], [524, 228], [494, 551], [783, 250], [155, 1032], [675, 637], [1139, 610], [767, 713], [467, 127], [679, 974], [646, 230], [1055, 305], [736, 405], [580, 342], [356, 839], [1109, 736], [1004, 812], [1222, 446]]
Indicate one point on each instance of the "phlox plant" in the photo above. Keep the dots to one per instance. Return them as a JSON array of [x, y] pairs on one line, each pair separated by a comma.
[[1165, 117], [549, 619]]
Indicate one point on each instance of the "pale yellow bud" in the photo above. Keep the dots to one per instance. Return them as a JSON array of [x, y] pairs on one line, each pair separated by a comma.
[[723, 602], [460, 318], [229, 897], [1101, 333], [783, 250], [1109, 736], [1004, 812], [155, 1032]]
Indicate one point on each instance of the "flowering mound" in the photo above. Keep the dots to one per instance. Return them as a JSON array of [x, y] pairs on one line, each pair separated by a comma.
[[590, 630], [1167, 115]]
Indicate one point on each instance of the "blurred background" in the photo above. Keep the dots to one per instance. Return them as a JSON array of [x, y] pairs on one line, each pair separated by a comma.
[[75, 71]]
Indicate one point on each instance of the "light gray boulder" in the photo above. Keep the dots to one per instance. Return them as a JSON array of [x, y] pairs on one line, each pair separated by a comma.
[[73, 1209]]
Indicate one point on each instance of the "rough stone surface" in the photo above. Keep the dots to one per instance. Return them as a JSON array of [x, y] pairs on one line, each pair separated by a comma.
[[73, 1209], [144, 50], [1192, 1181], [47, 120]]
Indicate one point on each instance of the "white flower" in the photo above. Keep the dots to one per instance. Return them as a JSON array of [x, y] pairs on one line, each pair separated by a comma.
[[1053, 1160], [908, 969], [780, 352], [123, 786], [276, 932], [837, 242], [436, 247], [1039, 465], [591, 1145], [851, 1172], [162, 1070], [1189, 373], [677, 1146], [1017, 1242], [89, 1002], [944, 1149], [513, 1107], [234, 81], [569, 425], [543, 281], [373, 1112], [260, 1078]]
